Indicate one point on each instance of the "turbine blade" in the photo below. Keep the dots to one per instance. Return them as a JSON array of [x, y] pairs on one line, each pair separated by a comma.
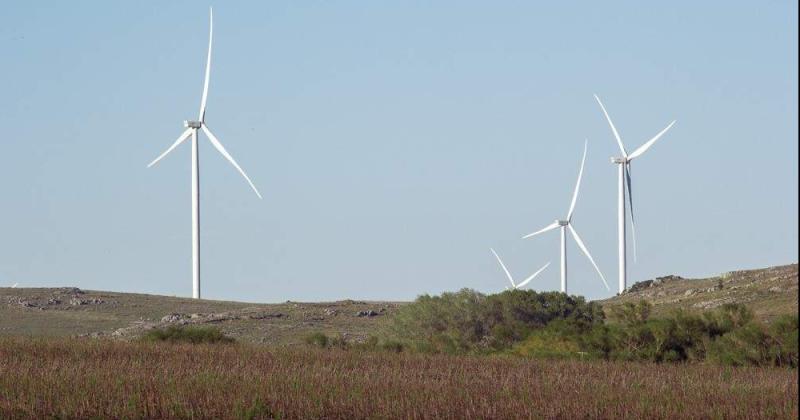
[[504, 268], [614, 129], [202, 116], [583, 248], [551, 226], [643, 148], [533, 276], [630, 202], [221, 149], [183, 137], [578, 184]]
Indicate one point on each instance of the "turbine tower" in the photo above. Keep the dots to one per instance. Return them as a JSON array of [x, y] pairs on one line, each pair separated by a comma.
[[566, 224], [515, 286], [624, 183], [191, 131]]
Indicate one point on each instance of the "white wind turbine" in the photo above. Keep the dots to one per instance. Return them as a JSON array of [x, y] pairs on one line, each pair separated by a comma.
[[191, 131], [565, 225], [624, 163], [511, 279]]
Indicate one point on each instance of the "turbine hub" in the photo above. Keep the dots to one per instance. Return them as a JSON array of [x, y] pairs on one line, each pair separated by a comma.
[[562, 222], [192, 124], [619, 160]]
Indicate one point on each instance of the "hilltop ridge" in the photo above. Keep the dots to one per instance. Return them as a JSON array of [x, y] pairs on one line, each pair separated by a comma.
[[69, 311], [769, 292]]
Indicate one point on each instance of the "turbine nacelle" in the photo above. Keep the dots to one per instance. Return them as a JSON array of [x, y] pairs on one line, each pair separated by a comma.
[[565, 225], [625, 184], [191, 131]]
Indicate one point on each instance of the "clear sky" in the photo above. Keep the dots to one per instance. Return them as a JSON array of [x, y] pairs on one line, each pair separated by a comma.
[[394, 143]]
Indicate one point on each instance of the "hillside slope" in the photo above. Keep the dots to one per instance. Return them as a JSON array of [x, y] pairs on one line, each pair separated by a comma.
[[70, 311], [769, 292]]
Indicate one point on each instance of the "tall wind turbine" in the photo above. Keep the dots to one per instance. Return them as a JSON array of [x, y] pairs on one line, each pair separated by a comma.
[[191, 131], [511, 279], [624, 163], [565, 225]]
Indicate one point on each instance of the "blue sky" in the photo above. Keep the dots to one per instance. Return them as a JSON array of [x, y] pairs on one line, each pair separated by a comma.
[[393, 143]]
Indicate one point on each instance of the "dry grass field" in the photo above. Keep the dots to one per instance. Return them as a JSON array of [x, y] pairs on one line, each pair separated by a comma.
[[70, 353], [84, 378]]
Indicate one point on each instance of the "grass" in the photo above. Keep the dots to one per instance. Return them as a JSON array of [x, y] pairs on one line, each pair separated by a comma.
[[73, 378]]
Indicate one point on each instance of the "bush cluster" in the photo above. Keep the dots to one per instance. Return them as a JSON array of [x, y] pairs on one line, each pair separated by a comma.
[[470, 322], [728, 335], [555, 325], [191, 334]]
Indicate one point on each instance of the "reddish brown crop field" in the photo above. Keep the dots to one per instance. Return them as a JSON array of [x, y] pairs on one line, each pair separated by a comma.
[[69, 378]]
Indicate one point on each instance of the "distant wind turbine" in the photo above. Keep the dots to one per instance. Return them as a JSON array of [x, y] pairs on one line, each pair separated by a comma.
[[14, 285], [624, 163], [191, 131], [511, 279], [567, 224]]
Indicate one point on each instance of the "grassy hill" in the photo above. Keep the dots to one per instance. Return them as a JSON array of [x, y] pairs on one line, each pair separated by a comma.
[[769, 292], [70, 311]]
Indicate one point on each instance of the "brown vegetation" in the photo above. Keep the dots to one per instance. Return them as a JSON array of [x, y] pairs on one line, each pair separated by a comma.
[[74, 378]]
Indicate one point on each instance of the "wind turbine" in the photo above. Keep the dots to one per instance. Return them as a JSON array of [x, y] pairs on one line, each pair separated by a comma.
[[191, 131], [566, 224], [624, 163], [511, 279]]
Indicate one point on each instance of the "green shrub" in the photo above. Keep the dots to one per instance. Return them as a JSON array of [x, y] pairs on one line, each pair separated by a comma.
[[784, 332], [633, 313], [468, 321], [727, 335], [555, 325], [747, 345], [448, 323], [192, 334], [756, 344], [600, 341], [548, 343], [727, 318], [317, 339]]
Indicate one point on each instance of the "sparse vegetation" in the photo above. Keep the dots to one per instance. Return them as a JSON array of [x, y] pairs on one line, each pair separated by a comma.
[[769, 293], [65, 312]]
